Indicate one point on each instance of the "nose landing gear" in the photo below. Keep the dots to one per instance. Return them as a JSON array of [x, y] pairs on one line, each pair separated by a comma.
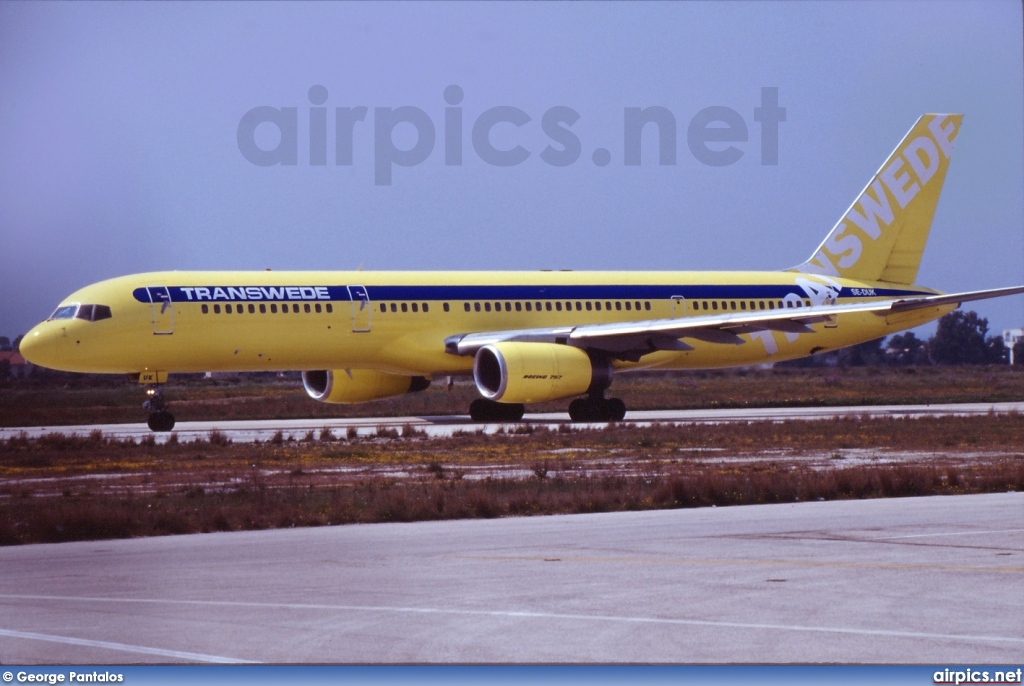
[[159, 418]]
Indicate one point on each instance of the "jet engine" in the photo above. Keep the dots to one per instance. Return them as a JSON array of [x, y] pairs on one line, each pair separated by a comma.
[[359, 385], [514, 372]]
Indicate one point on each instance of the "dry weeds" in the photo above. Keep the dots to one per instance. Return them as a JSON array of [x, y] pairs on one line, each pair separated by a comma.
[[61, 487]]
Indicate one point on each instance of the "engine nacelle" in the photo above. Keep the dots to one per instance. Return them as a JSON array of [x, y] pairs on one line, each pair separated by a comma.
[[359, 385], [536, 372]]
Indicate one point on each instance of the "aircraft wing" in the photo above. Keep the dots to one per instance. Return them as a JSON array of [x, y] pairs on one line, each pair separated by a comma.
[[631, 340]]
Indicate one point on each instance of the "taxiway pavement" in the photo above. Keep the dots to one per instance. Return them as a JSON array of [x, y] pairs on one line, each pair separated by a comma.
[[933, 580]]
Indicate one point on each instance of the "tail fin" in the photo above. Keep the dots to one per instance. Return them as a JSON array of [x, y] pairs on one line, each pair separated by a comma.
[[882, 236]]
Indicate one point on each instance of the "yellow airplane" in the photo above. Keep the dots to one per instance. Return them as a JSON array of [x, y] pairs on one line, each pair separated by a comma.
[[526, 337]]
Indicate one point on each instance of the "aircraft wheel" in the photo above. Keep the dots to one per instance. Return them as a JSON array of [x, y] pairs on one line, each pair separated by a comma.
[[581, 410], [482, 410], [514, 412], [597, 410], [479, 410], [615, 409], [161, 421]]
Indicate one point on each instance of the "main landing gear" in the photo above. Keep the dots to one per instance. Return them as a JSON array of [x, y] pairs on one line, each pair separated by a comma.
[[590, 409], [483, 410], [597, 408], [159, 418]]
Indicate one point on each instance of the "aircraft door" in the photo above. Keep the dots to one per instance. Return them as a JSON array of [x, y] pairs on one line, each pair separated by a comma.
[[163, 309], [361, 308], [678, 306]]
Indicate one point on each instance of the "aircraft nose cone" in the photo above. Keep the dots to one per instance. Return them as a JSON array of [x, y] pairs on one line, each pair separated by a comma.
[[42, 346]]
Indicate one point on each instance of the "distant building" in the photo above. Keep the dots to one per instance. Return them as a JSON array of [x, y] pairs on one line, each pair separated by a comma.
[[17, 366], [1012, 337]]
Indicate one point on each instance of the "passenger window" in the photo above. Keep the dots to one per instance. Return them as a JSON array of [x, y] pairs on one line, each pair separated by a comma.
[[273, 308], [547, 306], [405, 307], [647, 306], [446, 308], [487, 307], [589, 306], [206, 309], [426, 308], [394, 307], [508, 307], [519, 306], [628, 308], [466, 306], [579, 306], [295, 308], [216, 309], [618, 305], [558, 306], [529, 307], [330, 308], [252, 308], [263, 308], [714, 304], [317, 308], [476, 306], [732, 305], [307, 308], [771, 304], [637, 305], [597, 306], [415, 307]]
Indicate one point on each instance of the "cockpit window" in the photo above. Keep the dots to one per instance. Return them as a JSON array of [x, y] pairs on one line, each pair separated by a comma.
[[64, 312], [93, 313], [90, 313]]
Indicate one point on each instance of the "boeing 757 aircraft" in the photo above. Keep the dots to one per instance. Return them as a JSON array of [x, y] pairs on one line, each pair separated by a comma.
[[526, 337]]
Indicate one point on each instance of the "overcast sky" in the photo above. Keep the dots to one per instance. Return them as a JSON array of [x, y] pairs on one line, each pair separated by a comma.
[[120, 128]]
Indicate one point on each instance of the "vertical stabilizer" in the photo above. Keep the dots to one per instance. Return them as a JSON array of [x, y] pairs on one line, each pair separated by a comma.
[[881, 236]]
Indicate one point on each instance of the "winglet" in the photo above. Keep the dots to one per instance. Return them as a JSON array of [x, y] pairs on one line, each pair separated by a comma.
[[881, 237]]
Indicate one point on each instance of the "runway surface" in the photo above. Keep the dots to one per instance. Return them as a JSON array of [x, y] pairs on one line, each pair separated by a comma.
[[262, 430], [935, 580]]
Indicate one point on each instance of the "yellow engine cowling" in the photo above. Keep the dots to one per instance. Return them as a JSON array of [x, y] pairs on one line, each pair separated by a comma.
[[536, 372], [359, 385]]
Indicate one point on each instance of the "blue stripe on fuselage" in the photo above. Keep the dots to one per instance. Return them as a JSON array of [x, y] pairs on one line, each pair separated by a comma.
[[516, 292]]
